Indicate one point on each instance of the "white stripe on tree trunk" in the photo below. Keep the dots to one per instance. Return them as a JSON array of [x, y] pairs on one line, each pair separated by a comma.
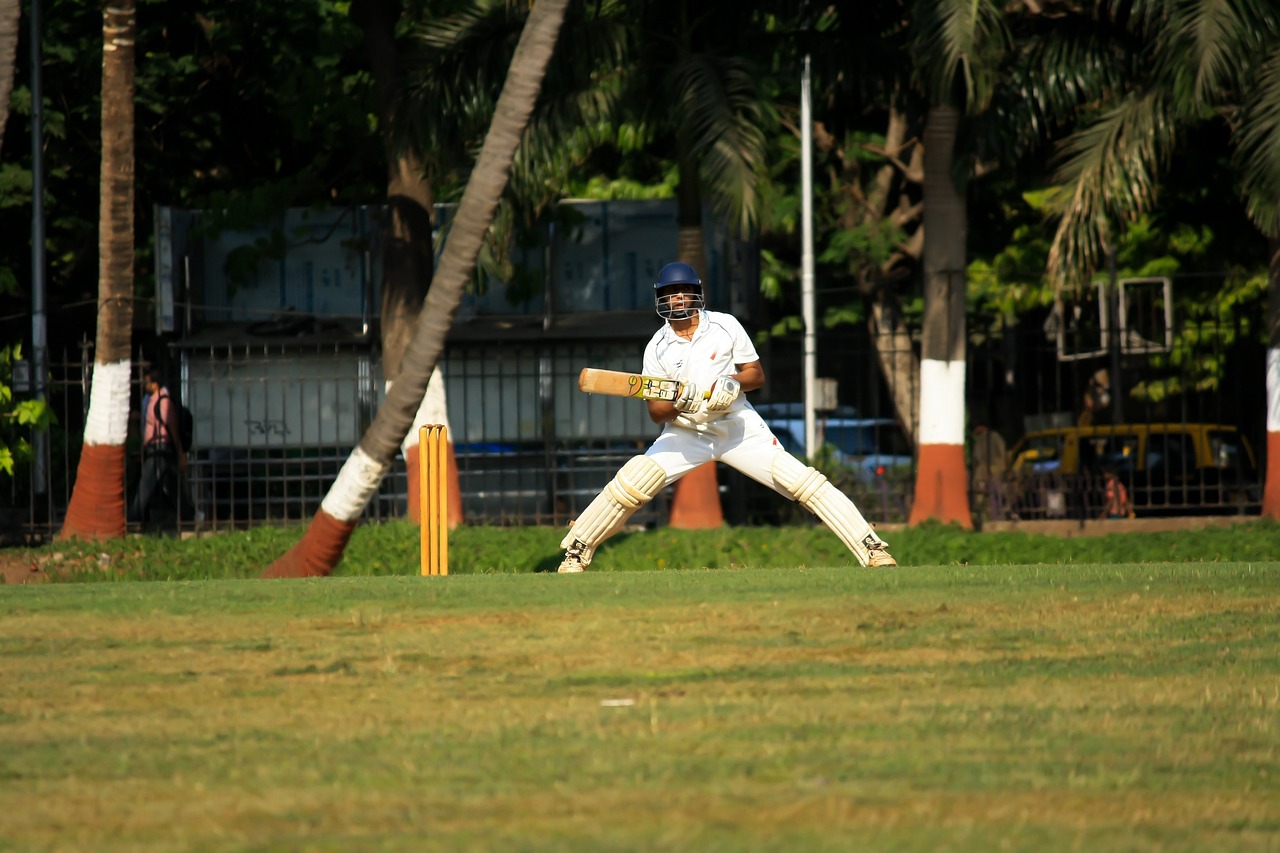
[[941, 402], [355, 486], [433, 410], [1273, 390], [108, 419]]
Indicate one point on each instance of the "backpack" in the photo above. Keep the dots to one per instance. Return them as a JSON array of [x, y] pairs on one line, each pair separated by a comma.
[[186, 421]]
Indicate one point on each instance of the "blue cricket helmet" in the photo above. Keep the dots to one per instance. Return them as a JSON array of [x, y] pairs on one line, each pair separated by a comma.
[[678, 278]]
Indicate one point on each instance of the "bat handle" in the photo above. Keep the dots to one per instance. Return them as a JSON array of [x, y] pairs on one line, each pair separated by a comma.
[[706, 395]]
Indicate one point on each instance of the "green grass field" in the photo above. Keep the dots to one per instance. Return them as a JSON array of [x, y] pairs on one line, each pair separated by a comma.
[[1070, 706]]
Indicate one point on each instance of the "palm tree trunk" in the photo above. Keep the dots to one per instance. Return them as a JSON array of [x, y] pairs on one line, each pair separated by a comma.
[[1271, 493], [942, 483], [10, 16], [691, 245], [408, 254], [97, 508], [320, 548]]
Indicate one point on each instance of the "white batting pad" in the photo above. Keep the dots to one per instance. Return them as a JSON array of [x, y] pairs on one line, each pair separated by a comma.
[[832, 507], [635, 484]]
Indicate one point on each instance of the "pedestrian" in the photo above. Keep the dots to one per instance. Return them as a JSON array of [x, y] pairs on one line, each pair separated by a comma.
[[161, 497], [1115, 498], [711, 420]]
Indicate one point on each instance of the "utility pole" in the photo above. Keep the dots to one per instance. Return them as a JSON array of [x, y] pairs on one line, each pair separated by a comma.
[[806, 266], [1115, 339], [39, 320]]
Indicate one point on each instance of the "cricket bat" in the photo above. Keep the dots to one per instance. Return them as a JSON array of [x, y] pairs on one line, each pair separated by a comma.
[[616, 383]]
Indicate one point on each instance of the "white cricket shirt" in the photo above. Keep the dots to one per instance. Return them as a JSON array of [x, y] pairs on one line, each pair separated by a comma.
[[718, 346]]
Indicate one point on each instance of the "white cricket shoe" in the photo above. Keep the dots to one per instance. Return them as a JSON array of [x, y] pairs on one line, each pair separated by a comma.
[[878, 557], [573, 559]]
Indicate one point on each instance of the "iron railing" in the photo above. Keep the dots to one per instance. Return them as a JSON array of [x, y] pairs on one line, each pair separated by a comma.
[[276, 421]]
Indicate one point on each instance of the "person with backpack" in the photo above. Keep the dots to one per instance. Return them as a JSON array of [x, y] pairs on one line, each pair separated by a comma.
[[162, 496]]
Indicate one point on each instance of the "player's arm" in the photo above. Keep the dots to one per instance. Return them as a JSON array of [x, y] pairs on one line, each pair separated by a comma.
[[662, 411], [169, 413], [750, 376], [727, 389]]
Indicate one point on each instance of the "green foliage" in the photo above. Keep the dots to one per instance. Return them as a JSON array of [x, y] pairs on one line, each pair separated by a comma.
[[604, 188], [849, 314], [1207, 327], [17, 419], [868, 243], [774, 274], [8, 282], [1001, 289], [851, 248], [788, 325], [1212, 313], [222, 123], [15, 186]]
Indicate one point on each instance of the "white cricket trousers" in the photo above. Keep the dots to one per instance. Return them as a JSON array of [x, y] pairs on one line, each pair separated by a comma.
[[740, 440]]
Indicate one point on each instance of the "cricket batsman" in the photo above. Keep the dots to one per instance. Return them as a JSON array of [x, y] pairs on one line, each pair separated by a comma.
[[710, 420]]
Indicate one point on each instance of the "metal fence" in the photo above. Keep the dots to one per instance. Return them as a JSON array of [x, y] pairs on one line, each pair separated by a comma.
[[276, 422]]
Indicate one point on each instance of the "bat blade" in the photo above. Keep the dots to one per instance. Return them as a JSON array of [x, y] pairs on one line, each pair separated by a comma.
[[617, 383]]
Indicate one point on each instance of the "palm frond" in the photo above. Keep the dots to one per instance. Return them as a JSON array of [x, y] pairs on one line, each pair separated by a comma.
[[457, 68], [1143, 18], [1109, 174], [454, 69], [1213, 41], [1257, 150], [1055, 69], [961, 42], [718, 113]]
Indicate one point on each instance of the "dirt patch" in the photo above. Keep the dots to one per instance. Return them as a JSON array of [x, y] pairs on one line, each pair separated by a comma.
[[1096, 527], [27, 566], [21, 567]]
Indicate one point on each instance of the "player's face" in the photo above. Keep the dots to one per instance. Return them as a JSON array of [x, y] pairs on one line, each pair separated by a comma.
[[680, 301]]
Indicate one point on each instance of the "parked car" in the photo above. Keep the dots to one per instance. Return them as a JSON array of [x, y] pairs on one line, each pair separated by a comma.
[[1167, 467], [871, 447]]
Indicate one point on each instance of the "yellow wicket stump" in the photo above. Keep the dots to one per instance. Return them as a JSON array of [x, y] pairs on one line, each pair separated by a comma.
[[433, 498]]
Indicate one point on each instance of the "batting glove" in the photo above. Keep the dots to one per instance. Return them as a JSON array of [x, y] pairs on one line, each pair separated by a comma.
[[723, 393], [690, 399]]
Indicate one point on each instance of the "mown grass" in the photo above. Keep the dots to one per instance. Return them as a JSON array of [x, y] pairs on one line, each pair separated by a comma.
[[1049, 707]]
